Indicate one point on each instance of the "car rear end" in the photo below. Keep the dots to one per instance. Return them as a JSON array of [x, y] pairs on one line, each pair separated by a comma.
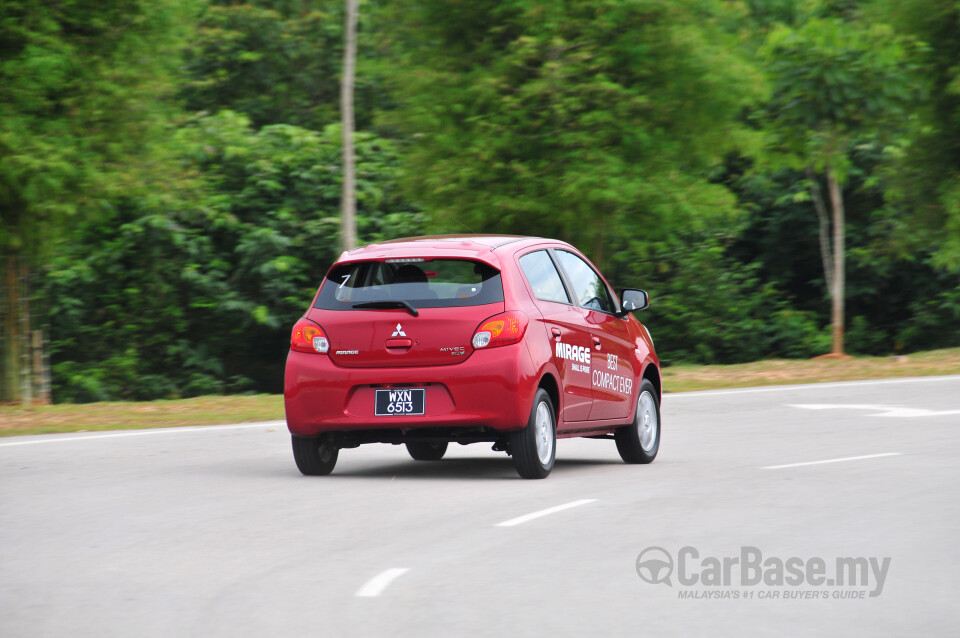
[[399, 343]]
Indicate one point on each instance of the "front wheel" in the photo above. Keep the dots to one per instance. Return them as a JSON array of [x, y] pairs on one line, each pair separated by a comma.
[[640, 441], [534, 447], [426, 451], [315, 456]]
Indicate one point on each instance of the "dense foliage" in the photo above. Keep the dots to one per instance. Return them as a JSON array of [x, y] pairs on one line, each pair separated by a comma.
[[547, 118], [208, 288], [170, 171]]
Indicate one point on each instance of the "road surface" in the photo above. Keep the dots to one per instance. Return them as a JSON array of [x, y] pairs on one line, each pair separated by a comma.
[[213, 532]]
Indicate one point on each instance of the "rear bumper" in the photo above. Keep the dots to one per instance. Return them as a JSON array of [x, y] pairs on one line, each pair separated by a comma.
[[493, 389]]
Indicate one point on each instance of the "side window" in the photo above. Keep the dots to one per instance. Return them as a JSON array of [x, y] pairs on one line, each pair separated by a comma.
[[539, 270], [587, 285]]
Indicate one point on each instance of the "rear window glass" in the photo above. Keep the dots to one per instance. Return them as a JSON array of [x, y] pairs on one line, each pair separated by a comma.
[[436, 283]]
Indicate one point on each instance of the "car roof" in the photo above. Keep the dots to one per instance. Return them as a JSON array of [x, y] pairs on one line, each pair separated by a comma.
[[463, 246]]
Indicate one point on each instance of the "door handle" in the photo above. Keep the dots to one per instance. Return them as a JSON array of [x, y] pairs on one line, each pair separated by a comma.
[[555, 332], [596, 342]]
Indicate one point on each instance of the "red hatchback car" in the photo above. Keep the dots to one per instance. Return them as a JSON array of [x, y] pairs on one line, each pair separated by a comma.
[[426, 341]]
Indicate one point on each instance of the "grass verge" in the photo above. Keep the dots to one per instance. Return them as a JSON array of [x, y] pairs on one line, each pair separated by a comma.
[[685, 378], [209, 410], [214, 410]]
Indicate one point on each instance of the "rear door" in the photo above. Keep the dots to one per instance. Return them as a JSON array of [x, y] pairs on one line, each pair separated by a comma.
[[612, 372], [402, 313], [568, 334]]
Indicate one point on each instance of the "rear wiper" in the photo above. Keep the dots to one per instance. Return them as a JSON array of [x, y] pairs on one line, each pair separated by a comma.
[[389, 304]]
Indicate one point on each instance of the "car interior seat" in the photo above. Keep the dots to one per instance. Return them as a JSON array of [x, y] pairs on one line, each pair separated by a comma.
[[415, 280]]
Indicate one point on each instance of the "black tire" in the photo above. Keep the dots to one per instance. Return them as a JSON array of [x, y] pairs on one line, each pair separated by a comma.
[[534, 448], [639, 442], [426, 451], [315, 456]]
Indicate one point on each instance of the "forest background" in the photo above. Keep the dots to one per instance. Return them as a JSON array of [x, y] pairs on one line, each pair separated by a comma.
[[170, 172]]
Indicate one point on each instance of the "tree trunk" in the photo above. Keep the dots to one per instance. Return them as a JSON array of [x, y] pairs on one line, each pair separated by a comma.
[[26, 360], [46, 387], [826, 256], [41, 394], [348, 206], [9, 384], [839, 267]]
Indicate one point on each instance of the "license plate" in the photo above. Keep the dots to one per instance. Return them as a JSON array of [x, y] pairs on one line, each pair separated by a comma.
[[402, 401]]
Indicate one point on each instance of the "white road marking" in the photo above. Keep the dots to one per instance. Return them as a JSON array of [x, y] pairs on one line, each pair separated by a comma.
[[847, 458], [171, 430], [884, 410], [550, 510], [375, 586], [809, 386]]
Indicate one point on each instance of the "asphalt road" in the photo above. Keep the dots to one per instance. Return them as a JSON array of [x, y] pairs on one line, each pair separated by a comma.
[[213, 532]]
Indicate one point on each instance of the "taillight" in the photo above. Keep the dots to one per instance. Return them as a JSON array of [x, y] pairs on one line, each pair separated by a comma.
[[308, 337], [500, 330]]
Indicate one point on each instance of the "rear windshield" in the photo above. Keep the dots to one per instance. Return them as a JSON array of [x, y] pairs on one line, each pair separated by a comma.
[[435, 283]]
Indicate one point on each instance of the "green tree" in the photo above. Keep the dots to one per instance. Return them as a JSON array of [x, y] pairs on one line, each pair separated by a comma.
[[196, 294], [896, 299], [833, 82], [82, 89], [591, 121], [278, 62], [708, 308], [274, 61], [926, 180]]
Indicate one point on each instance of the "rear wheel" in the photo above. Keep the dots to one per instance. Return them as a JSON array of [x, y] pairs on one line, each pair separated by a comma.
[[426, 451], [640, 441], [534, 447], [315, 456]]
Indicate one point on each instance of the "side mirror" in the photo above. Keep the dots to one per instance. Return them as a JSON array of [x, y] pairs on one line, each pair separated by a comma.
[[632, 299]]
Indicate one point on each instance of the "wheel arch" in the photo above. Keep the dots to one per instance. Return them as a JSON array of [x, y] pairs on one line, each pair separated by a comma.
[[652, 373], [549, 383]]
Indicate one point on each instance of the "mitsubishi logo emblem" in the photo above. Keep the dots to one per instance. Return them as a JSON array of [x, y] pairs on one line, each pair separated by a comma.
[[399, 332]]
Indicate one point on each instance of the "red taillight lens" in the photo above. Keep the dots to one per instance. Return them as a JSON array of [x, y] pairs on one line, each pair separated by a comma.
[[308, 337], [500, 330]]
